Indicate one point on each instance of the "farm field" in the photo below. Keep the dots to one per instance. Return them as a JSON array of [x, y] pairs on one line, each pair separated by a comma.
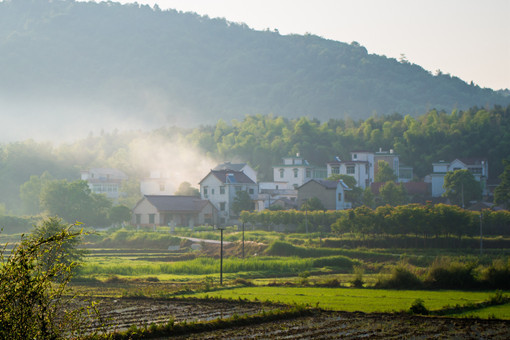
[[362, 300]]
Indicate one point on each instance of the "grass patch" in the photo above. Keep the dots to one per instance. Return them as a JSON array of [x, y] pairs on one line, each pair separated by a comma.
[[352, 299]]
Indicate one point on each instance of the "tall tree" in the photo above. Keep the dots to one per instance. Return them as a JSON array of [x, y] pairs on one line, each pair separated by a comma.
[[384, 173], [461, 187], [242, 202], [393, 194], [185, 189]]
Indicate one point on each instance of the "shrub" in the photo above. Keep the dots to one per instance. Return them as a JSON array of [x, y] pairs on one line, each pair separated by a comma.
[[497, 276], [401, 278], [418, 307], [451, 275]]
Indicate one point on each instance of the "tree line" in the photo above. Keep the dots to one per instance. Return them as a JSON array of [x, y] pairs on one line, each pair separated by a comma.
[[427, 221]]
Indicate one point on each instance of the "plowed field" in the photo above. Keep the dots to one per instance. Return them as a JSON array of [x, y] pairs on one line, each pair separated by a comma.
[[121, 313]]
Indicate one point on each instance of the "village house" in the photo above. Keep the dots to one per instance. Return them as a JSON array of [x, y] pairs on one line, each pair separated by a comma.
[[158, 183], [221, 187], [166, 210], [479, 167], [104, 181], [296, 171], [330, 193], [361, 167]]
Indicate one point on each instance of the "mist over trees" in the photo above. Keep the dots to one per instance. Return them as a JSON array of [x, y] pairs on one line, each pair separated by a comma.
[[261, 141], [66, 61]]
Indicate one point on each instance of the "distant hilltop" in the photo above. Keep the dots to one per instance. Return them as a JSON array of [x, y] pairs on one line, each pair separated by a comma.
[[65, 59]]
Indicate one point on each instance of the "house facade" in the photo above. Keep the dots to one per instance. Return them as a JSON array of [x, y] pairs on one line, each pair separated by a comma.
[[296, 171], [361, 167], [158, 183], [104, 181], [330, 193], [479, 167], [221, 187], [167, 210], [389, 157]]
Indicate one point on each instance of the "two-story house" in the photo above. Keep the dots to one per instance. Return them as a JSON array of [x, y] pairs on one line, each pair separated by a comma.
[[244, 167], [479, 167], [330, 193], [104, 181], [221, 187], [296, 171], [361, 167]]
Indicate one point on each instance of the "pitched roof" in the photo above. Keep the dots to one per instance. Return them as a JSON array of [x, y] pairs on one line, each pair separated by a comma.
[[472, 161], [230, 176], [177, 203], [230, 166], [323, 182]]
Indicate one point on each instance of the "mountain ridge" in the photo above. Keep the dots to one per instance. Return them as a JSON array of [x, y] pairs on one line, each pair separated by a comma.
[[137, 63]]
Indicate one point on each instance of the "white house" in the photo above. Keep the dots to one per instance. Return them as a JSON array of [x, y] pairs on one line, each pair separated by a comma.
[[158, 183], [296, 171], [104, 181], [479, 167], [271, 193], [361, 167], [221, 186]]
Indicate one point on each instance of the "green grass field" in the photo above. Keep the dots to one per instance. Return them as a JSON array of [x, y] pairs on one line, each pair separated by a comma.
[[363, 300]]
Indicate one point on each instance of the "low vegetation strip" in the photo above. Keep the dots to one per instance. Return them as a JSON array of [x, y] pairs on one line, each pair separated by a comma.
[[207, 265], [352, 299]]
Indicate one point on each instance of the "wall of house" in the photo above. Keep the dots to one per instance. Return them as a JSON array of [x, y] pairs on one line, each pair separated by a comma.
[[144, 210], [314, 189]]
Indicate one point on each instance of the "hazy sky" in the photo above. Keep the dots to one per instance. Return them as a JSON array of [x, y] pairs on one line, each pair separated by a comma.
[[467, 38]]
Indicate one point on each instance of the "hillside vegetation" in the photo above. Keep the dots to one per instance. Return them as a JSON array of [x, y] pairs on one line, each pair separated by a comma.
[[61, 57]]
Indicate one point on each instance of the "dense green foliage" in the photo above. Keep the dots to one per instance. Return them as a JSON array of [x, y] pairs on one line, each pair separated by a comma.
[[502, 192], [461, 187], [196, 68], [426, 220]]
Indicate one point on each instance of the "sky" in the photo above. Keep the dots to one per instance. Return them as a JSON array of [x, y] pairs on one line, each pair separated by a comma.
[[469, 39]]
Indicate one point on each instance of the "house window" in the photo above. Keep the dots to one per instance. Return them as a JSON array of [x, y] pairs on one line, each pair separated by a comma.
[[138, 218], [335, 170], [354, 156], [212, 191], [295, 173], [455, 169], [282, 173], [350, 170], [251, 191], [308, 173], [152, 218], [339, 197], [205, 191], [161, 187], [222, 190], [222, 206]]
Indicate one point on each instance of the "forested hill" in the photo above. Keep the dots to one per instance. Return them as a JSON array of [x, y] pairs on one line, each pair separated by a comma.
[[171, 67]]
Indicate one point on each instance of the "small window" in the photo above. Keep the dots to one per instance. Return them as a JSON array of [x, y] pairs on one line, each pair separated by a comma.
[[222, 206], [138, 218], [335, 170], [282, 173], [308, 173], [251, 191], [212, 191], [296, 171], [351, 170], [205, 190], [354, 156], [339, 197], [222, 190], [151, 218]]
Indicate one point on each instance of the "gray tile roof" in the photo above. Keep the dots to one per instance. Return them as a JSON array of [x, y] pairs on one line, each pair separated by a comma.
[[177, 203]]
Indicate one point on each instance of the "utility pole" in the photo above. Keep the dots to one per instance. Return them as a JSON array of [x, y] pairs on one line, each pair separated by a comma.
[[243, 240], [221, 255], [481, 234]]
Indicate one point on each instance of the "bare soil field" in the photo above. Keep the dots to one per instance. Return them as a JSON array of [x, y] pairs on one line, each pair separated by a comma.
[[338, 325], [121, 313]]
